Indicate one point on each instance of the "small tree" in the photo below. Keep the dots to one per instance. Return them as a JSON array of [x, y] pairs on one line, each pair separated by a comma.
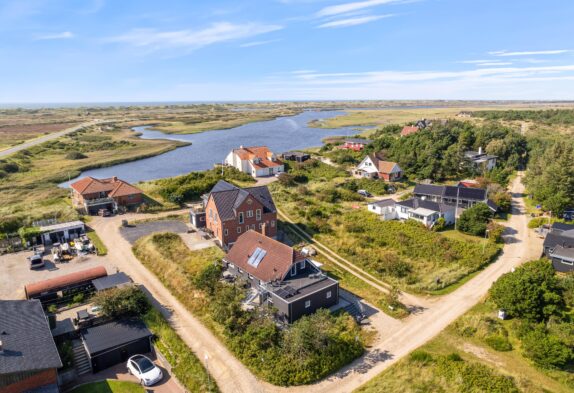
[[546, 350], [474, 220], [531, 292], [122, 302], [286, 179]]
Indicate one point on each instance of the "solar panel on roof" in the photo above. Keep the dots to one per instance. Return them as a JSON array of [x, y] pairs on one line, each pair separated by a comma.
[[255, 259]]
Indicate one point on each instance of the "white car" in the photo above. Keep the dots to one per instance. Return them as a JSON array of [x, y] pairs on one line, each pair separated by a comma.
[[144, 369]]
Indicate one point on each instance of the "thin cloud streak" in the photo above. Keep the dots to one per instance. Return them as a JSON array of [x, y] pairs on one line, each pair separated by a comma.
[[505, 53], [57, 36], [355, 6], [154, 40], [353, 21], [256, 43]]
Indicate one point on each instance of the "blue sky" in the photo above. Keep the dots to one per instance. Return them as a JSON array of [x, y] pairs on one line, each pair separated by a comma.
[[150, 50]]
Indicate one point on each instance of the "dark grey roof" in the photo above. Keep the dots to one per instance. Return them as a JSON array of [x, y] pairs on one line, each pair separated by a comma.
[[111, 281], [228, 197], [561, 227], [296, 153], [467, 193], [415, 203], [112, 335], [563, 252], [554, 239], [384, 202], [358, 140], [26, 338], [428, 189]]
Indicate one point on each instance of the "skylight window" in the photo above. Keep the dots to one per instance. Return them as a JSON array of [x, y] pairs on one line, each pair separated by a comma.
[[255, 259]]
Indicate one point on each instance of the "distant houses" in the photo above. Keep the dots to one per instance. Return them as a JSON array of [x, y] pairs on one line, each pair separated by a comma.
[[232, 211], [280, 276], [559, 246], [257, 161], [90, 195], [296, 156], [480, 159], [355, 144], [374, 166]]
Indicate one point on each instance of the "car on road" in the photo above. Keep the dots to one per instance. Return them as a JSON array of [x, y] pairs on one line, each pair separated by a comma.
[[364, 193], [36, 261], [144, 369]]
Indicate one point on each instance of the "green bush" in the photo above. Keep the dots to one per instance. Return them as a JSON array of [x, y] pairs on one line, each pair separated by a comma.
[[420, 356], [498, 343], [78, 298], [75, 155], [474, 220], [207, 279], [531, 292], [546, 350], [375, 187]]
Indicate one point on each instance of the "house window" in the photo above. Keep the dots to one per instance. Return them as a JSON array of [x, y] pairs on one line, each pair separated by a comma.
[[210, 213], [253, 226], [226, 232], [329, 293], [241, 217], [302, 265], [293, 270], [258, 214], [249, 213], [272, 223], [260, 226], [565, 262], [307, 303], [238, 229], [249, 276]]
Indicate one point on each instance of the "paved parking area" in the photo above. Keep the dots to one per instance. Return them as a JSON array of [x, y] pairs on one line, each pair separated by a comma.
[[15, 271], [137, 231]]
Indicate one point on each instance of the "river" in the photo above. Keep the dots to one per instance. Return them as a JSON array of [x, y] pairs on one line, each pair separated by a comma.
[[211, 147]]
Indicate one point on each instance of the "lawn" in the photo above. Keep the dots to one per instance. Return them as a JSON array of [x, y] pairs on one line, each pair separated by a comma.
[[110, 386], [99, 245]]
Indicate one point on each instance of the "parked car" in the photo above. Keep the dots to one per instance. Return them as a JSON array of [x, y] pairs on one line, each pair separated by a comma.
[[364, 193], [36, 261], [144, 369]]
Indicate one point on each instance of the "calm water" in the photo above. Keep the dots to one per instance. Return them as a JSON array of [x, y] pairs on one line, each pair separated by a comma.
[[208, 148]]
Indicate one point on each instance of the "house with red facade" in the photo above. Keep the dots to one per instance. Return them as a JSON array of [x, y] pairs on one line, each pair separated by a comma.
[[29, 359], [356, 144], [374, 166], [231, 211], [89, 195]]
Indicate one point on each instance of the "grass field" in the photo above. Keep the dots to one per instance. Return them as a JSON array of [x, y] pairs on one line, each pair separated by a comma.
[[109, 386], [481, 365]]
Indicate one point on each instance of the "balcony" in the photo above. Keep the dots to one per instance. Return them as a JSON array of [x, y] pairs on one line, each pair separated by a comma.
[[98, 201]]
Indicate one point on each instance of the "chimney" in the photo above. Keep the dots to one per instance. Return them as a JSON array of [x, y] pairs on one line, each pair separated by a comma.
[[241, 146], [480, 150], [115, 178], [264, 229]]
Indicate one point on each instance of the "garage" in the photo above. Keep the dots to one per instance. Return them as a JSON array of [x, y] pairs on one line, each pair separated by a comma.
[[61, 232], [112, 343]]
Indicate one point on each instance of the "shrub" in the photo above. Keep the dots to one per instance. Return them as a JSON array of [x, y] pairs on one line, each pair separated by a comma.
[[495, 232], [420, 356], [28, 233], [78, 298], [474, 220], [286, 179], [545, 350], [120, 302], [9, 167], [498, 343], [75, 155], [207, 279], [532, 291]]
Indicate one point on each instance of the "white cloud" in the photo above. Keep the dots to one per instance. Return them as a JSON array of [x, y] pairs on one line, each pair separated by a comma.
[[153, 39], [353, 21], [529, 53], [57, 36], [349, 7], [494, 63], [256, 43]]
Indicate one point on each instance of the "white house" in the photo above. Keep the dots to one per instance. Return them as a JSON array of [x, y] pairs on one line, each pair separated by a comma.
[[374, 167], [258, 161], [423, 211], [481, 160]]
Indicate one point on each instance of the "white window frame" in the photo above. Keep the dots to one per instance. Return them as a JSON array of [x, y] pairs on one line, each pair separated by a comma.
[[258, 214], [272, 223], [329, 294], [238, 229], [307, 303], [249, 213], [293, 270], [302, 265], [241, 218], [225, 232]]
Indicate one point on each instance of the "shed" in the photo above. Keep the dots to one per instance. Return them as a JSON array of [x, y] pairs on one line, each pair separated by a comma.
[[112, 281], [112, 343], [62, 232]]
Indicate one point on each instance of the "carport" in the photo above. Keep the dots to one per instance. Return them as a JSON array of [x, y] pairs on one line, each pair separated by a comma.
[[114, 342], [61, 232]]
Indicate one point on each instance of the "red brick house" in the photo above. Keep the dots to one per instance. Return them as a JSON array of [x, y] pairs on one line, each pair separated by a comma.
[[29, 359], [231, 211], [90, 195], [356, 144]]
